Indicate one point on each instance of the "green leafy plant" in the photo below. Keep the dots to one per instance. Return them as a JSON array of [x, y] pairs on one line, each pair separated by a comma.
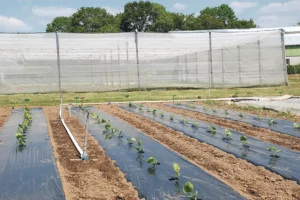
[[131, 105], [176, 168], [260, 118], [241, 115], [195, 125], [139, 147], [108, 126], [281, 92], [119, 133], [214, 110], [274, 151], [296, 125], [76, 100], [244, 140], [272, 121], [190, 106], [26, 101], [152, 160], [228, 134], [188, 189], [171, 117], [22, 128], [162, 114], [154, 111], [94, 116], [184, 120], [127, 96], [212, 130], [131, 141]]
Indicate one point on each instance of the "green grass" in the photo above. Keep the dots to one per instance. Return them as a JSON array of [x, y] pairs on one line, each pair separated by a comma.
[[53, 98]]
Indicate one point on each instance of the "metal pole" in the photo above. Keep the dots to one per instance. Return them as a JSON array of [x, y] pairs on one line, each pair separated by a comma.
[[59, 75], [211, 85], [127, 58], [239, 59], [137, 57], [84, 155], [196, 66], [223, 70], [259, 62], [284, 57]]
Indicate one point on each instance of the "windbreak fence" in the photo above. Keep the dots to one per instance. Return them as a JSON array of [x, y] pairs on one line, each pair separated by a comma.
[[107, 62]]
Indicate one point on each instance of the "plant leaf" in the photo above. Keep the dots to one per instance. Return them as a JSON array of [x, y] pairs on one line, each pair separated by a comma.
[[188, 187], [176, 167]]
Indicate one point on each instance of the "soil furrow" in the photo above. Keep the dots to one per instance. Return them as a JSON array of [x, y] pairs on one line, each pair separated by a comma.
[[253, 182], [284, 140], [96, 178]]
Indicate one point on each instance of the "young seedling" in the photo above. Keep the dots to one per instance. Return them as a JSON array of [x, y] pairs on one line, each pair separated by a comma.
[[152, 160], [162, 114], [195, 125], [131, 141], [131, 105], [94, 116], [176, 168], [274, 150], [119, 133], [226, 112], [76, 100], [26, 101], [241, 115], [244, 140], [212, 130], [108, 126], [190, 106], [296, 125], [188, 189], [272, 122], [154, 111], [148, 109], [141, 107], [228, 134], [139, 147], [184, 120], [214, 110], [260, 118], [171, 117]]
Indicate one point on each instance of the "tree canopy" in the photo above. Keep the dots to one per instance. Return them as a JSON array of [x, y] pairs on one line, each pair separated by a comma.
[[147, 16]]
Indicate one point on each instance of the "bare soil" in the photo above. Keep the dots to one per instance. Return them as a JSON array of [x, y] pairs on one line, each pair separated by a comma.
[[284, 140], [5, 113], [98, 178], [250, 181], [261, 112]]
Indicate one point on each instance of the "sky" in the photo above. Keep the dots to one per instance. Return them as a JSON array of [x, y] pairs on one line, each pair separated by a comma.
[[34, 15]]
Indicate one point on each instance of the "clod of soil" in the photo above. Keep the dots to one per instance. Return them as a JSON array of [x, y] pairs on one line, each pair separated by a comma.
[[96, 178], [253, 182]]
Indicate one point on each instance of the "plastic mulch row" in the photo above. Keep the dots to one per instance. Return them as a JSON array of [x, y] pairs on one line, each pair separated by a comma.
[[287, 164], [29, 173], [280, 126], [152, 182]]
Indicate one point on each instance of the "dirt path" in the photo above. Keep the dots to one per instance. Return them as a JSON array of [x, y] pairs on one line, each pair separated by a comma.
[[250, 181], [284, 140], [96, 178], [5, 113]]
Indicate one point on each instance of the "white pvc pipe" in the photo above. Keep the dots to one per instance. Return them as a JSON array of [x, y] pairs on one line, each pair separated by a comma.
[[70, 134]]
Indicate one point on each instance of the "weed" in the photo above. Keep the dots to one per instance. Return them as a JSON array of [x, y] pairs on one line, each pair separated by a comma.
[[235, 95], [171, 117], [188, 189], [228, 134], [212, 130], [245, 141], [274, 150], [296, 125]]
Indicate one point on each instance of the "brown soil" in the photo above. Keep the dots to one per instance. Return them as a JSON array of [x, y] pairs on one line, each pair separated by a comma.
[[5, 113], [250, 181], [284, 140], [96, 178], [261, 112]]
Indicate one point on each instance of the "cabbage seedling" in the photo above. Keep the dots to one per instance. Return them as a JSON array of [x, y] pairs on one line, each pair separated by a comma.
[[241, 115], [162, 114], [272, 122], [214, 110], [245, 141], [274, 151], [119, 133], [94, 116], [188, 189], [226, 112], [296, 125], [228, 134], [195, 125], [148, 109], [260, 118], [176, 168], [190, 106], [131, 141], [139, 147], [131, 105], [152, 160], [171, 117], [108, 126], [212, 130], [154, 111], [184, 120]]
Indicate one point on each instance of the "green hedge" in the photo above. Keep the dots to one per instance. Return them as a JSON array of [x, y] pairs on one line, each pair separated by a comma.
[[293, 69]]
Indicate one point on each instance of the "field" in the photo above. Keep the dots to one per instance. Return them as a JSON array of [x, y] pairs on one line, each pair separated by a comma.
[[201, 150]]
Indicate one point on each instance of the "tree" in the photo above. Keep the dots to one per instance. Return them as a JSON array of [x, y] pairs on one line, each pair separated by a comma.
[[93, 20], [178, 21], [145, 16], [59, 24]]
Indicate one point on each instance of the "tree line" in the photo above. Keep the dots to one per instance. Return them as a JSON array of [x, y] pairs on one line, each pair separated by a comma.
[[147, 16]]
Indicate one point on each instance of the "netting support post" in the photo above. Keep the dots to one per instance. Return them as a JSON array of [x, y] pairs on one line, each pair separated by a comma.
[[284, 57], [211, 81], [223, 70], [137, 57], [127, 58], [84, 154], [259, 62], [59, 74], [239, 60]]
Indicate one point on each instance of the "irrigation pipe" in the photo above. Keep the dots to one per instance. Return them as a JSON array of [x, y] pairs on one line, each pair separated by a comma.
[[70, 134]]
